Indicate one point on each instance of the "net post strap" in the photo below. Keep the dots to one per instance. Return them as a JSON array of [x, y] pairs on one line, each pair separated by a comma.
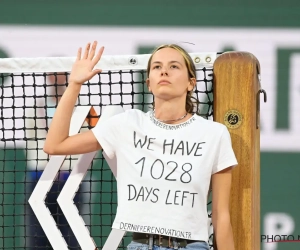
[[66, 203], [65, 198], [114, 239], [37, 203], [44, 184], [67, 194]]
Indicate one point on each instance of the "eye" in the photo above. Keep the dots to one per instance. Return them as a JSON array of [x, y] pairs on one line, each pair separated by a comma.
[[174, 66], [156, 67]]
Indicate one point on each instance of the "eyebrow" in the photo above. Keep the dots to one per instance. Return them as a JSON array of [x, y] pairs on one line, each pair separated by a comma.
[[169, 62]]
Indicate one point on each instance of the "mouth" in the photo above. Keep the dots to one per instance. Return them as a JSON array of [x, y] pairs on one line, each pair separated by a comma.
[[164, 82]]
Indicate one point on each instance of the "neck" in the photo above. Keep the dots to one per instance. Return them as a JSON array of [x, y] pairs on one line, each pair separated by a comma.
[[171, 111]]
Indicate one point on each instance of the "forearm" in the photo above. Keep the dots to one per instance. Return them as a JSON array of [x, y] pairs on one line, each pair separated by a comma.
[[60, 124], [223, 232]]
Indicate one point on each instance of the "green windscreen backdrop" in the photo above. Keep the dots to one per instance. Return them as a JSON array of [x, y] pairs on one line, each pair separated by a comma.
[[269, 29]]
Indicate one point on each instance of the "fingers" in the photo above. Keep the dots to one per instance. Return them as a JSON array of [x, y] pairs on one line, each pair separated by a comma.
[[87, 50], [93, 50], [78, 54], [89, 53], [95, 72], [98, 56]]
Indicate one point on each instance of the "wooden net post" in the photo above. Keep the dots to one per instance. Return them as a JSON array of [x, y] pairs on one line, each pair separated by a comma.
[[236, 104]]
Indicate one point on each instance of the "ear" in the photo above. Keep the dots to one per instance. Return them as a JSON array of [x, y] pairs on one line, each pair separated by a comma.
[[148, 84], [192, 84]]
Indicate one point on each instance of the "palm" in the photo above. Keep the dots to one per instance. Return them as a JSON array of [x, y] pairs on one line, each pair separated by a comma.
[[83, 68]]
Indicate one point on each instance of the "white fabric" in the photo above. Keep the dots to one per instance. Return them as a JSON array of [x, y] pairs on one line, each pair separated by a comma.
[[164, 171], [109, 111]]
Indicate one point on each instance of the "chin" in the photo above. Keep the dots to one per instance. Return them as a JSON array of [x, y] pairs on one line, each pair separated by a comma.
[[165, 95]]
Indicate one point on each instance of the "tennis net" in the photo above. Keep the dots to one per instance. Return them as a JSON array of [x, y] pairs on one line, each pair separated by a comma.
[[30, 90]]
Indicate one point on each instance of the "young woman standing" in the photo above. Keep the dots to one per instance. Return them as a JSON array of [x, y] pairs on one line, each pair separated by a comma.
[[166, 158]]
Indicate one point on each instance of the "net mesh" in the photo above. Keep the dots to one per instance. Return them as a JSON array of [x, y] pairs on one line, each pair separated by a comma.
[[28, 101]]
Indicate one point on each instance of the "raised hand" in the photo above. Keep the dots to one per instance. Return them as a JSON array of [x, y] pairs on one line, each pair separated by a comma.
[[83, 68]]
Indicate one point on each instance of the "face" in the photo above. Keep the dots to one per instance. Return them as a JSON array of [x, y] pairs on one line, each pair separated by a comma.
[[168, 76]]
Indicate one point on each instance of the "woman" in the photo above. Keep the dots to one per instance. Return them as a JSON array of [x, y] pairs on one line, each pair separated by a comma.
[[166, 158]]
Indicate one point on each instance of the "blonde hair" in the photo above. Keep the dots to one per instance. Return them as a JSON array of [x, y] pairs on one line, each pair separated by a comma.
[[189, 103]]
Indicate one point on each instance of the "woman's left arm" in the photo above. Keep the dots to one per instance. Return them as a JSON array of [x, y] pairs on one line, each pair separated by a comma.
[[221, 186]]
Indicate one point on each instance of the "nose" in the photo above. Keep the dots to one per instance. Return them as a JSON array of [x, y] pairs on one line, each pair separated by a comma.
[[164, 71]]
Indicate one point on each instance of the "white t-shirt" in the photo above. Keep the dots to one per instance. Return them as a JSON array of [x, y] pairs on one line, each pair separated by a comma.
[[164, 171]]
